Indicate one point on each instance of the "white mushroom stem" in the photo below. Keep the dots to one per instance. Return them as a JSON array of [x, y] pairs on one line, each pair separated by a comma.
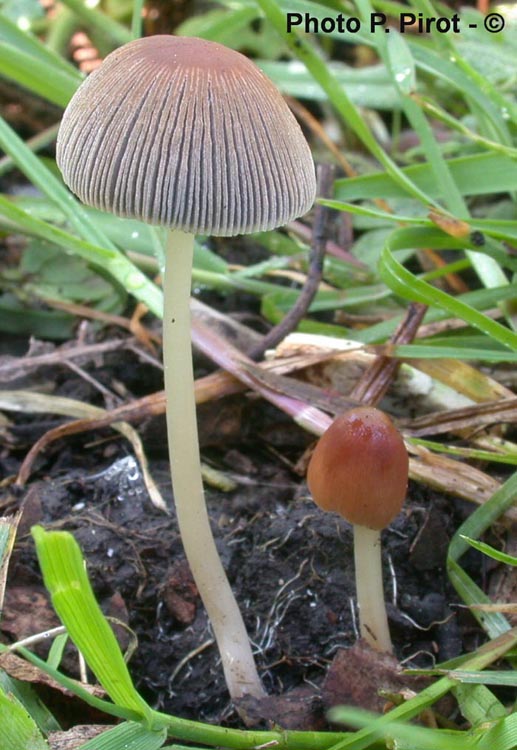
[[234, 646], [373, 620]]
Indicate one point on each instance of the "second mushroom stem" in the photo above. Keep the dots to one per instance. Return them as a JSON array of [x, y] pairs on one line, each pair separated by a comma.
[[194, 524], [373, 621]]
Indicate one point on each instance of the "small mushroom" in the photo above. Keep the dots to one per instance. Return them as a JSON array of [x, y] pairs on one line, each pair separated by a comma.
[[187, 134], [359, 469]]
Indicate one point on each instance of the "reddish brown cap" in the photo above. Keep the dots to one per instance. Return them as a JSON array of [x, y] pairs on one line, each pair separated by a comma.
[[359, 468], [188, 134]]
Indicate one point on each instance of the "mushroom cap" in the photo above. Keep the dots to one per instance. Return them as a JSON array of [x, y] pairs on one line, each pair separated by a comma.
[[359, 468], [188, 134]]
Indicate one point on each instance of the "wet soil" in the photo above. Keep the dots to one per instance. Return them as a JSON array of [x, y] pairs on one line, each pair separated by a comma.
[[290, 564]]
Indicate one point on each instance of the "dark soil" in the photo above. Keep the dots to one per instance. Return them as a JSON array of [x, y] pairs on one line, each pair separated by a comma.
[[290, 564]]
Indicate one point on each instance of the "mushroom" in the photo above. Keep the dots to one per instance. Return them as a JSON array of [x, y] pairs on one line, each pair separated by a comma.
[[359, 469], [187, 134]]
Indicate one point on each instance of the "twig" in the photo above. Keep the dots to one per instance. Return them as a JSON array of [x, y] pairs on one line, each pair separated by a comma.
[[374, 383], [134, 326], [13, 367], [314, 274]]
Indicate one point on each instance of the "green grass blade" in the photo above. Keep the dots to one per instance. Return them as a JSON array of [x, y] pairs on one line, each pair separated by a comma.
[[65, 577], [440, 114], [449, 70], [40, 141], [26, 42], [218, 25], [56, 650], [26, 694], [494, 623], [369, 87], [403, 736], [405, 284], [99, 21], [136, 20], [128, 736], [468, 453], [8, 528], [486, 677], [481, 299], [477, 703], [495, 554], [43, 179], [501, 736], [397, 57], [432, 351], [501, 229], [479, 174], [48, 81], [18, 731]]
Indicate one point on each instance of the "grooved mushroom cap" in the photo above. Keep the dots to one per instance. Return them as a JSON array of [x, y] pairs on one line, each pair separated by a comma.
[[187, 134], [360, 467]]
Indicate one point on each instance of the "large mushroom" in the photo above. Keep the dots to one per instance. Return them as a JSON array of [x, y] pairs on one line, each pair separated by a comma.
[[189, 135]]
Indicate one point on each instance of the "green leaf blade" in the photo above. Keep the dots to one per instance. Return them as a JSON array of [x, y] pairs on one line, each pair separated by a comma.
[[65, 577], [18, 731], [128, 736]]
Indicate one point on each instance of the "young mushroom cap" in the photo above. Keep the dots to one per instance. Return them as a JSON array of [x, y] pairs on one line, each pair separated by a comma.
[[359, 468], [188, 134]]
